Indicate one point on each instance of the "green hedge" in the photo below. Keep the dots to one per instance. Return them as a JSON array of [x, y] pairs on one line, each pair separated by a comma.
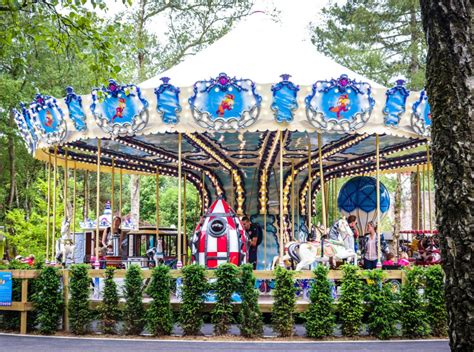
[[283, 319], [194, 288], [48, 300], [80, 315], [227, 283], [320, 318], [134, 312], [251, 322], [351, 302], [109, 308], [159, 320]]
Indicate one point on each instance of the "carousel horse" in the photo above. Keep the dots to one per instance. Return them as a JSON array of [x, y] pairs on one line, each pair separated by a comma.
[[322, 250], [428, 248], [64, 244], [152, 255]]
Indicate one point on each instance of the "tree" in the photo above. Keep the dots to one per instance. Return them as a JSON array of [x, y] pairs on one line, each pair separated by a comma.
[[109, 308], [251, 323], [134, 312], [351, 302], [449, 30], [379, 39], [160, 316]]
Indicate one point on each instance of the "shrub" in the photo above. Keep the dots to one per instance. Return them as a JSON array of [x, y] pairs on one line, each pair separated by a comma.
[[320, 318], [226, 285], [434, 296], [381, 306], [134, 311], [283, 319], [413, 309], [194, 288], [48, 300], [250, 317], [351, 302], [108, 309], [159, 315], [79, 313]]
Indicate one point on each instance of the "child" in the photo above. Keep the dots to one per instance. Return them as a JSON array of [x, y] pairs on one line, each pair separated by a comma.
[[403, 261], [389, 260]]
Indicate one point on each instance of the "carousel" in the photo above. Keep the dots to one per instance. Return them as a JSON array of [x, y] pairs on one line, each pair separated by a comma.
[[257, 133]]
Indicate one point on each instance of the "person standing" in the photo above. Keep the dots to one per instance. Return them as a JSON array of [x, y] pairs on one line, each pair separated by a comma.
[[255, 235], [352, 221], [370, 246]]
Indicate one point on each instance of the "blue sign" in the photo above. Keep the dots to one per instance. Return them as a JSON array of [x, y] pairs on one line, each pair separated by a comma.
[[5, 289]]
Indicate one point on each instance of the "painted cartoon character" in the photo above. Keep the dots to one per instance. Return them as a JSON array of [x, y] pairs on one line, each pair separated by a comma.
[[120, 108], [226, 104], [49, 119], [342, 105]]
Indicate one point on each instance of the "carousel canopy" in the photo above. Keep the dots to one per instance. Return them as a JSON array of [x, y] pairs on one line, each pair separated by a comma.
[[233, 103]]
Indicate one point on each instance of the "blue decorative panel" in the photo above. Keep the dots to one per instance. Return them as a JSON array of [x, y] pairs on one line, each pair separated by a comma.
[[167, 97], [26, 127], [284, 99], [119, 110], [47, 119], [225, 103], [76, 111], [421, 116], [395, 103], [360, 193], [339, 105]]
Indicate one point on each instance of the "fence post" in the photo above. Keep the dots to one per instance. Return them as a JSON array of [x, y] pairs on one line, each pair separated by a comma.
[[24, 299], [66, 300], [404, 278]]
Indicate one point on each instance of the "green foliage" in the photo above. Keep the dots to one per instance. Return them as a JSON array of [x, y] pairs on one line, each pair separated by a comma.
[[413, 308], [80, 315], [159, 315], [351, 302], [320, 318], [194, 288], [109, 308], [250, 317], [382, 313], [48, 300], [227, 283], [380, 39], [134, 312], [434, 296], [283, 319]]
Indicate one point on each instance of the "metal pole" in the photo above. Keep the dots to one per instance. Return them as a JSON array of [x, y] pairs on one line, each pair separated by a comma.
[[379, 229], [310, 182], [203, 191], [97, 263], [112, 200], [321, 177], [418, 197], [282, 216], [120, 194], [157, 201], [66, 171], [185, 238], [74, 206], [293, 199], [428, 159], [265, 239], [423, 202], [48, 223], [55, 175], [179, 264]]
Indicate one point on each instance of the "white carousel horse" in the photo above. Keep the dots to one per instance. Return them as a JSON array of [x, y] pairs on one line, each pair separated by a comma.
[[64, 244], [324, 250]]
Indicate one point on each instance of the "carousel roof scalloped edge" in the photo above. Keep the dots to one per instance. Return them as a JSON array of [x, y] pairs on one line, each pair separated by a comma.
[[222, 104]]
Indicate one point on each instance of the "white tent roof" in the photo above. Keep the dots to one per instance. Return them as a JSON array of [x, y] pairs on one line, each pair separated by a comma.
[[260, 49]]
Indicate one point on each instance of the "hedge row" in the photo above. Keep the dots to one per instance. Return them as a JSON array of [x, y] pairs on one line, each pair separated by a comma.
[[419, 307]]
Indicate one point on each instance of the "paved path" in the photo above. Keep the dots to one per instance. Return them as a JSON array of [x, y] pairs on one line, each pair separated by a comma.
[[9, 343]]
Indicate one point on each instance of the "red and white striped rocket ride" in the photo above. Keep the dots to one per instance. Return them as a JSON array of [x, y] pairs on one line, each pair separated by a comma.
[[219, 237]]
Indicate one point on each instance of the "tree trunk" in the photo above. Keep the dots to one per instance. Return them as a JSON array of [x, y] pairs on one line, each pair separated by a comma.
[[415, 202], [135, 200], [11, 163], [397, 212], [450, 88]]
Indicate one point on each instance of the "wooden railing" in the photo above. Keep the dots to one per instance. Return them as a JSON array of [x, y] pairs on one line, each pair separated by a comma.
[[23, 306]]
